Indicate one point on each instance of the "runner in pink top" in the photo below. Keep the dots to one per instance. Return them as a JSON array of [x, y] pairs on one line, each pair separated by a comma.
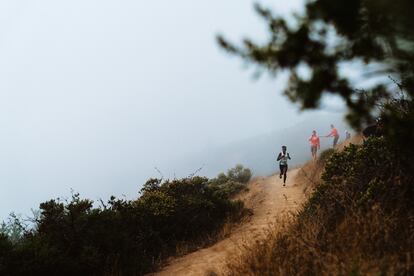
[[314, 143]]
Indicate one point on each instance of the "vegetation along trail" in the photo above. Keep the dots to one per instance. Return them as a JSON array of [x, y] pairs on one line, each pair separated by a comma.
[[268, 200]]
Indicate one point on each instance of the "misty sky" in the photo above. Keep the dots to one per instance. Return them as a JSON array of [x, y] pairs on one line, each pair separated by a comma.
[[94, 94]]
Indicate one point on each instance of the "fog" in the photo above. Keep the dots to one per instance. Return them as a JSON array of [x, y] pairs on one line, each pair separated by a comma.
[[95, 94]]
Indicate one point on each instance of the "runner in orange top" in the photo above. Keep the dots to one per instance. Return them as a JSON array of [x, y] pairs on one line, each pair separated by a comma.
[[334, 133], [314, 143]]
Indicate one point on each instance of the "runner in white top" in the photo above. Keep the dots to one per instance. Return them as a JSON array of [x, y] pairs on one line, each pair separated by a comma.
[[283, 158]]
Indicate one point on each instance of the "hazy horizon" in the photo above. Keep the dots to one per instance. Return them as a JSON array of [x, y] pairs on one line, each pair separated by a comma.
[[95, 94]]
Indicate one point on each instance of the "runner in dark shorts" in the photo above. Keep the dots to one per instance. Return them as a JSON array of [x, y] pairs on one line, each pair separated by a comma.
[[314, 151], [283, 163], [335, 141]]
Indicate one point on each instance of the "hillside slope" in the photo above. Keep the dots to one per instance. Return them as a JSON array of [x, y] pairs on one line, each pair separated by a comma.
[[268, 200]]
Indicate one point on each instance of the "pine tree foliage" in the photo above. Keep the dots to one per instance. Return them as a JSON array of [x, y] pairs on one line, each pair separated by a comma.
[[329, 35]]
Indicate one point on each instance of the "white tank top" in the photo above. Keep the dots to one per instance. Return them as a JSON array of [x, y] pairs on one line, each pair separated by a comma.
[[284, 159]]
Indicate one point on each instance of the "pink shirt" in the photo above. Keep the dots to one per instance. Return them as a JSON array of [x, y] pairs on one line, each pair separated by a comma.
[[314, 140]]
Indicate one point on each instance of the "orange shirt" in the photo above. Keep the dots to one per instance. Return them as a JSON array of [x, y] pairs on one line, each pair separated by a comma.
[[334, 133], [314, 140]]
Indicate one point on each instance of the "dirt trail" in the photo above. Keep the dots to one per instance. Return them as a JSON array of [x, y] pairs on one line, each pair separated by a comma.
[[268, 199]]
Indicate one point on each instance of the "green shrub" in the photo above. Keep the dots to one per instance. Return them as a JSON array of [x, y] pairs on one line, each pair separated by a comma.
[[235, 181], [325, 155], [239, 174], [350, 176], [365, 190], [228, 189], [123, 237]]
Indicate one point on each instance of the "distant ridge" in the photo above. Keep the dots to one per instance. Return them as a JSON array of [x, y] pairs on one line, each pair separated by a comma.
[[259, 152]]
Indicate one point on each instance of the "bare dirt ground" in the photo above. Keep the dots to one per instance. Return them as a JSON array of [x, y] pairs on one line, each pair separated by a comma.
[[268, 200]]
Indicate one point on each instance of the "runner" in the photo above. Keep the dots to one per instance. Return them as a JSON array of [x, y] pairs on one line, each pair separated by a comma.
[[283, 163], [315, 144], [334, 133], [347, 135]]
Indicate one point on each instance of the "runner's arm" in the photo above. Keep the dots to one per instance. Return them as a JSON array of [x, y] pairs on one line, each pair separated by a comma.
[[279, 157]]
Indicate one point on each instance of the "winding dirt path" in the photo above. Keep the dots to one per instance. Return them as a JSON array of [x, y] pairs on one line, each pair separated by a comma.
[[268, 199]]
